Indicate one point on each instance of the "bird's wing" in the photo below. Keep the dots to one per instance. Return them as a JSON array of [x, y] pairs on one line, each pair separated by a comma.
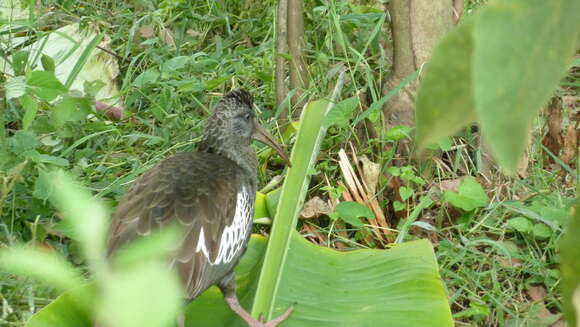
[[199, 192]]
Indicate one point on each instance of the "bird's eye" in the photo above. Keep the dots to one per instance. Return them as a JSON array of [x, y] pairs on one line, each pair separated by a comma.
[[247, 116]]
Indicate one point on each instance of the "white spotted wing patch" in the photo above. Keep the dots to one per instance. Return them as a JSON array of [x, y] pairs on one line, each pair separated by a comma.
[[234, 236]]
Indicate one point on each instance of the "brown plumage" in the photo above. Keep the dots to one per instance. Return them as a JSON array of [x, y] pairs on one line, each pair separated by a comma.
[[209, 195]]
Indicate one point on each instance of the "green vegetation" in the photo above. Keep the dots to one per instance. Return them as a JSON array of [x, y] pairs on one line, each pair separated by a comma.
[[495, 237]]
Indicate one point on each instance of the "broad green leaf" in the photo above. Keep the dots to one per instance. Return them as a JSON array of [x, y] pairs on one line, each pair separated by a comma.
[[367, 288], [397, 133], [405, 192], [47, 63], [521, 224], [541, 231], [45, 85], [143, 249], [445, 102], [19, 62], [342, 113], [469, 196], [521, 50], [570, 267], [43, 266], [23, 141], [31, 108], [84, 214], [398, 206], [147, 77], [68, 110], [351, 212], [146, 295]]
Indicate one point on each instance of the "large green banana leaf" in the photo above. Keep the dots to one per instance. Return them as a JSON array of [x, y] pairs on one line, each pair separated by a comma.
[[396, 287]]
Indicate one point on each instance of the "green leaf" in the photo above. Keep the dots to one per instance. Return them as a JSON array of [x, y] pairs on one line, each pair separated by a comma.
[[351, 212], [521, 224], [57, 161], [84, 214], [42, 186], [469, 196], [31, 108], [445, 102], [293, 192], [41, 265], [45, 85], [396, 287], [342, 113], [23, 141], [261, 206], [149, 76], [147, 295], [19, 62], [398, 206], [541, 231], [69, 109], [397, 133], [570, 267], [522, 48], [47, 63], [405, 192]]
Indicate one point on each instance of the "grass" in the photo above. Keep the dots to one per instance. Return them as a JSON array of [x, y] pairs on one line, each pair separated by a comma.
[[490, 269]]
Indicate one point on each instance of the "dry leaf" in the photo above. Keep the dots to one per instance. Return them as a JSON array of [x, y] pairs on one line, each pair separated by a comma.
[[450, 185], [167, 37], [370, 172], [570, 148], [570, 101], [536, 292], [147, 31], [559, 323], [193, 33], [511, 262], [315, 207]]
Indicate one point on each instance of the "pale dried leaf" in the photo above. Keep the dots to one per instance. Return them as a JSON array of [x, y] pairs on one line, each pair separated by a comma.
[[536, 292], [370, 172], [511, 262], [570, 101], [193, 33], [147, 31], [451, 185], [167, 37], [570, 148], [315, 207], [559, 323]]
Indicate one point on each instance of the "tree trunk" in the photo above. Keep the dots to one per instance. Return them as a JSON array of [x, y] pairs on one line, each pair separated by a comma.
[[298, 71], [417, 26], [281, 47]]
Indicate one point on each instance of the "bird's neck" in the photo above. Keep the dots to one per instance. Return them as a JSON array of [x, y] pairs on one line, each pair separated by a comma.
[[242, 154]]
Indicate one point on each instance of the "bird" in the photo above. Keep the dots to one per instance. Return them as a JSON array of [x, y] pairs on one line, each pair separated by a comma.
[[209, 195]]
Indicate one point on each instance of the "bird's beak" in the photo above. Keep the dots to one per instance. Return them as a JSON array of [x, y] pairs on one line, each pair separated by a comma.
[[260, 134]]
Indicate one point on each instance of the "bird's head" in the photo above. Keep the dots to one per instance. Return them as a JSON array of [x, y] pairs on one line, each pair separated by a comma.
[[233, 124]]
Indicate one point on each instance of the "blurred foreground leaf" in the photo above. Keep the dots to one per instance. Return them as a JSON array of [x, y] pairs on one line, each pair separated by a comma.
[[503, 63]]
